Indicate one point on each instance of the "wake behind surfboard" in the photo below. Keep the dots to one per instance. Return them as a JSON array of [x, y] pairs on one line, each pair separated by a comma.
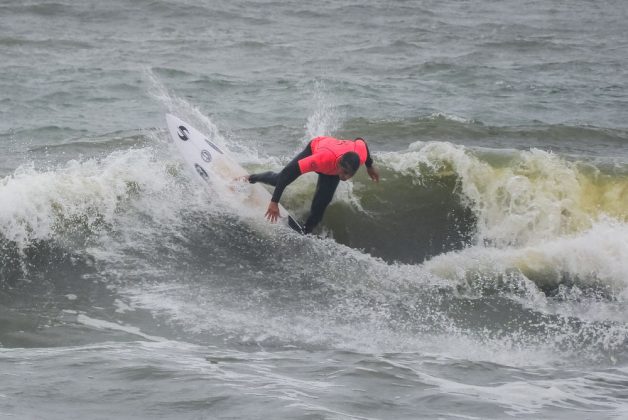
[[213, 165]]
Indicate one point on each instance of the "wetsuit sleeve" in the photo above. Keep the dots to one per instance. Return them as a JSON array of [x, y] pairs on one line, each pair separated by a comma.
[[285, 178], [369, 159]]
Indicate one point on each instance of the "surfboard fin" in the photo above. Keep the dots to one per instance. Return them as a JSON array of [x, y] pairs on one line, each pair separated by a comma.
[[295, 225]]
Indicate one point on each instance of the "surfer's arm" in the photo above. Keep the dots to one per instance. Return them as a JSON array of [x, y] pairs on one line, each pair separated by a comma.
[[370, 169], [285, 178], [369, 159]]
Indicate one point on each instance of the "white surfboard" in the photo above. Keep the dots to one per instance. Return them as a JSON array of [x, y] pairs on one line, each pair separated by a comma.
[[213, 165]]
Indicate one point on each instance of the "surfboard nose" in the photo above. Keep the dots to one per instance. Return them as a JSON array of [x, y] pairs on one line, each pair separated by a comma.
[[171, 120]]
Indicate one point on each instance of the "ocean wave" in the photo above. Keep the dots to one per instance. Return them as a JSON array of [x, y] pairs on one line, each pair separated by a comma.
[[434, 198], [44, 43], [593, 261], [519, 197], [439, 126], [46, 9], [136, 209], [81, 196], [79, 144]]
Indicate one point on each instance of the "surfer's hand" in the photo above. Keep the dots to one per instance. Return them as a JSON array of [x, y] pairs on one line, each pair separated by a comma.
[[272, 213], [373, 173]]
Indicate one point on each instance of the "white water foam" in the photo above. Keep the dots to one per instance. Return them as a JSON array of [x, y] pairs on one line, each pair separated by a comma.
[[534, 197], [36, 204]]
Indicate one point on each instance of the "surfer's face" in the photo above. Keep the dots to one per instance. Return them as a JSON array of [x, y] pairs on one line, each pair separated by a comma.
[[344, 174]]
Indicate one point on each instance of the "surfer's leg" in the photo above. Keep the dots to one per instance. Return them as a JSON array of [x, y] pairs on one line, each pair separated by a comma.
[[325, 189], [269, 178]]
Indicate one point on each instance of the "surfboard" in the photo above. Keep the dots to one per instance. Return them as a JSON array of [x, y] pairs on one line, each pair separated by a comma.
[[212, 164]]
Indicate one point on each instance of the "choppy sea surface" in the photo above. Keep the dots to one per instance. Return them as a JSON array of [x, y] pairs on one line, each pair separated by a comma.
[[484, 277]]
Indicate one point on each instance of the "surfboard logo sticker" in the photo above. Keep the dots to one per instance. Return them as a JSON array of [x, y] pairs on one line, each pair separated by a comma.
[[201, 172], [213, 146], [207, 157], [183, 133]]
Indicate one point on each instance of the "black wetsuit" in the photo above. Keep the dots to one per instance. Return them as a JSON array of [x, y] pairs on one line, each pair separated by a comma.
[[325, 187]]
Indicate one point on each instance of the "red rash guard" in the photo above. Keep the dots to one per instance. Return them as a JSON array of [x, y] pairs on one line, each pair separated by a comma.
[[321, 155], [327, 152]]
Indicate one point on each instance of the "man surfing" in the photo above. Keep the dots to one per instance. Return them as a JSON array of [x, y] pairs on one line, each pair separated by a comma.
[[332, 159]]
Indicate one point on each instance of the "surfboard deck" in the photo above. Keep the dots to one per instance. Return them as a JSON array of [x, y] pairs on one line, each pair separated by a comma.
[[212, 164]]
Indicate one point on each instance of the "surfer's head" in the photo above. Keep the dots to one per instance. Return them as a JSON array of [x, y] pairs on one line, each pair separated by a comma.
[[348, 165]]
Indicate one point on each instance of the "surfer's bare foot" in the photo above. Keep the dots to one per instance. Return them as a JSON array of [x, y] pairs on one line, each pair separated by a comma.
[[244, 178]]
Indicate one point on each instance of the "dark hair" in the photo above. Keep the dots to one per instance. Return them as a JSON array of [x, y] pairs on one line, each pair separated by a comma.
[[350, 162]]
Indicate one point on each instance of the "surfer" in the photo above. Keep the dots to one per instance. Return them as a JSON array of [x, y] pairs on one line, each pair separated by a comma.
[[332, 159]]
